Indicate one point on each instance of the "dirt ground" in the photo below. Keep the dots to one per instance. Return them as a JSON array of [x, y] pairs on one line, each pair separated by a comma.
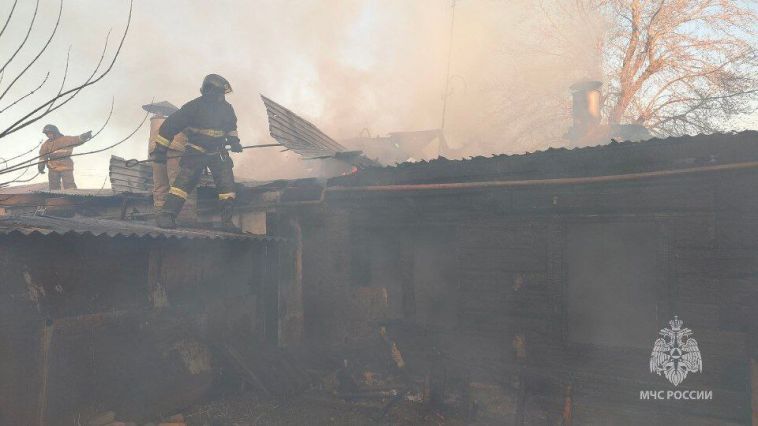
[[313, 408]]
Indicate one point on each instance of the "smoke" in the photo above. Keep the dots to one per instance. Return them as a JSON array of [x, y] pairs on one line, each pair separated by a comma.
[[345, 65]]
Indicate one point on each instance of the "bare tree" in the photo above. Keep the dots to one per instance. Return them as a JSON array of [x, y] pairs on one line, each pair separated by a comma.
[[47, 104], [21, 118], [675, 66], [680, 66]]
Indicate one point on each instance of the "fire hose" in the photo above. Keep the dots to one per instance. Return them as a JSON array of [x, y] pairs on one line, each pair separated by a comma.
[[133, 162]]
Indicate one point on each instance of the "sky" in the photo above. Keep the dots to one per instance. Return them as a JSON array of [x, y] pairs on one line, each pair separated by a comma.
[[348, 66]]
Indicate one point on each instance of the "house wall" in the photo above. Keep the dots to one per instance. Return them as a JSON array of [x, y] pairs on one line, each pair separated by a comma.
[[495, 280], [90, 324]]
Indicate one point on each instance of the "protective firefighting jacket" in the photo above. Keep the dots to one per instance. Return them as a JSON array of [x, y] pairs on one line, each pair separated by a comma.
[[207, 121], [177, 144], [56, 152]]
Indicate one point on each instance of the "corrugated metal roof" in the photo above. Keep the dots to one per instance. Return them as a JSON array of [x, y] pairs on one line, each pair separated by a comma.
[[25, 189], [296, 133], [45, 225], [611, 159], [304, 138], [43, 188]]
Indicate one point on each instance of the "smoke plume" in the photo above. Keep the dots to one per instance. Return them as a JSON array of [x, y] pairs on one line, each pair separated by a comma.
[[346, 66]]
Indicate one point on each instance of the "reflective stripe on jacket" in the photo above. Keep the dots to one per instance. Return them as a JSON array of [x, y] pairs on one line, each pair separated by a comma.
[[177, 144]]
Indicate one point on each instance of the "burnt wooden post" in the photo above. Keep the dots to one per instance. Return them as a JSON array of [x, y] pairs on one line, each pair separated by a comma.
[[519, 351], [405, 263], [155, 277], [290, 289], [753, 350], [568, 406]]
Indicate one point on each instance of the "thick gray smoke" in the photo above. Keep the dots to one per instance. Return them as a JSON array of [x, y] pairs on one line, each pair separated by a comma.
[[345, 65]]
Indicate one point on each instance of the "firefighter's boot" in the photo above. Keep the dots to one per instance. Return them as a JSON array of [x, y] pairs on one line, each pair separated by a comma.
[[227, 212], [165, 220]]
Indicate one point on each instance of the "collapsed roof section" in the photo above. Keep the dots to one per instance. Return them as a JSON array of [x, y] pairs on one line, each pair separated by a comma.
[[304, 138]]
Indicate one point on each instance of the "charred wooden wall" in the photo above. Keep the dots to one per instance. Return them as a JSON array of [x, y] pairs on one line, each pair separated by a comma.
[[89, 324], [492, 280]]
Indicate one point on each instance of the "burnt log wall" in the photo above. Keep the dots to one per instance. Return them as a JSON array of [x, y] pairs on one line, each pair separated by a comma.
[[91, 324], [483, 277]]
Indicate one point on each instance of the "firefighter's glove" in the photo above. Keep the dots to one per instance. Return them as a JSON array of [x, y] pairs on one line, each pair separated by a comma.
[[234, 144], [41, 168], [158, 156], [84, 137]]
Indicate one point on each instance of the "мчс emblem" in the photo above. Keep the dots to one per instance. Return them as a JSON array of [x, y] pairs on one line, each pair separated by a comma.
[[675, 353]]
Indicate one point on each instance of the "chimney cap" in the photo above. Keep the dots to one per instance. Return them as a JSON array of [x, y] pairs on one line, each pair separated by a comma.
[[163, 108], [586, 85]]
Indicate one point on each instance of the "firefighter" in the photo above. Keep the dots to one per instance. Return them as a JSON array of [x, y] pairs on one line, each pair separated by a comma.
[[164, 173], [56, 153], [210, 125]]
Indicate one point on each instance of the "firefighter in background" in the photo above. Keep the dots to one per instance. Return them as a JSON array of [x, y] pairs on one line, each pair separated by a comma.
[[56, 153], [210, 125], [164, 173]]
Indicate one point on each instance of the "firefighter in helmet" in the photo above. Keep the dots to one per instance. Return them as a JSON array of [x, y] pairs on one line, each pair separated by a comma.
[[210, 125], [55, 153]]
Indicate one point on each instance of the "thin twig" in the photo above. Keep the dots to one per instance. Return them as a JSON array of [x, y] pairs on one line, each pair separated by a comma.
[[26, 95], [23, 42], [110, 113], [21, 123], [65, 76], [82, 153], [18, 165], [9, 18], [16, 180], [25, 152], [44, 47]]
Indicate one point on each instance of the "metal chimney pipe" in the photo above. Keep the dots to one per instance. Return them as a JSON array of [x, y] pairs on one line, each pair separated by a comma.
[[586, 104], [585, 111]]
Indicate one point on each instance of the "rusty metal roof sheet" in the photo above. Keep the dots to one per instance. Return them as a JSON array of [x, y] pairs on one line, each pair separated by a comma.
[[46, 225]]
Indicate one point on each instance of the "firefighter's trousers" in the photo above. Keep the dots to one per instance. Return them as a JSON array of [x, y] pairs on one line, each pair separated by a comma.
[[55, 178], [163, 175], [191, 167]]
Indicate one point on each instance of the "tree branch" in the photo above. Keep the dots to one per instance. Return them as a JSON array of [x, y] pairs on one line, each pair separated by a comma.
[[23, 42], [13, 8], [26, 95], [21, 123], [44, 47]]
